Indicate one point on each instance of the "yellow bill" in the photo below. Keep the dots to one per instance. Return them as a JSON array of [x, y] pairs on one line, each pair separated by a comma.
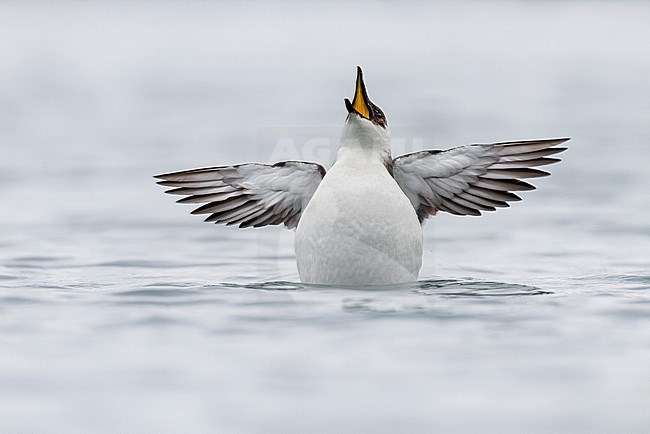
[[360, 101]]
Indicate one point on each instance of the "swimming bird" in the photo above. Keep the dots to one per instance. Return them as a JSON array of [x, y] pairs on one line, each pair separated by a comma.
[[361, 221]]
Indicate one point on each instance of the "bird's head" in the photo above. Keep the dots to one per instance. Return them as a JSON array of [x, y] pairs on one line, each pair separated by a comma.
[[365, 121]]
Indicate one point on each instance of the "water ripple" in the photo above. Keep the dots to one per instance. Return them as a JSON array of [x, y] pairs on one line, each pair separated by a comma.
[[476, 288], [8, 277], [280, 285], [445, 286]]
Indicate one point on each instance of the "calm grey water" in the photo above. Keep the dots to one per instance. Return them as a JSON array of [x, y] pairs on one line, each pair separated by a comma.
[[120, 312]]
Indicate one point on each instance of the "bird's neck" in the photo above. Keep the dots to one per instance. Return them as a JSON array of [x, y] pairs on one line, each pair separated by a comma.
[[363, 146], [360, 156]]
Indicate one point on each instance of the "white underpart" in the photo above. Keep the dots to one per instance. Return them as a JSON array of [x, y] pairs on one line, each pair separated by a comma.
[[359, 227]]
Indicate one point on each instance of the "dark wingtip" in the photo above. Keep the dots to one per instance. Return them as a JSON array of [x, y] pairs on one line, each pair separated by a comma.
[[561, 140], [164, 176]]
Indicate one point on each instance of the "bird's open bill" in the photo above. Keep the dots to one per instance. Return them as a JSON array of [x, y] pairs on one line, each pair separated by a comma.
[[360, 103]]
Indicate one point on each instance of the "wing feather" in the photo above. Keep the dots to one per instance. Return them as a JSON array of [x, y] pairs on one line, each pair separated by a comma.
[[248, 194], [505, 185], [472, 178], [513, 173]]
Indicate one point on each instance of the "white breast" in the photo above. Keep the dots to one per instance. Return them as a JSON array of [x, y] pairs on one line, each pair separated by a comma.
[[359, 228]]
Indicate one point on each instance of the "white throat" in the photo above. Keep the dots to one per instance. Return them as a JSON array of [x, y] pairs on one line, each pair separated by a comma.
[[362, 140]]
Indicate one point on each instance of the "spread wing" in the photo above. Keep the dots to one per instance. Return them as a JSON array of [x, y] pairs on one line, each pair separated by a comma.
[[473, 178], [248, 194]]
